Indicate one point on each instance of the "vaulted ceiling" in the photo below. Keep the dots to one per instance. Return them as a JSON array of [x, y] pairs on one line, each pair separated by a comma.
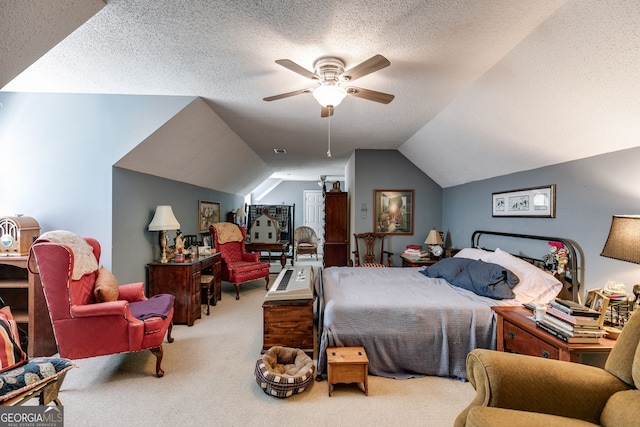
[[482, 88]]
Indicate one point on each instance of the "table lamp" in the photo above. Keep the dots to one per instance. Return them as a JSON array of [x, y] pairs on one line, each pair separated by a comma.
[[240, 214], [164, 220], [623, 242], [434, 241]]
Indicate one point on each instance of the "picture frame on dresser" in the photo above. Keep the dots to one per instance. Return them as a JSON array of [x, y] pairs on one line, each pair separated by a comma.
[[208, 214], [600, 302], [393, 212]]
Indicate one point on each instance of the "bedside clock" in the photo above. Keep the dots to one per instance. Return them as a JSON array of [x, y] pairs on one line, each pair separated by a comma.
[[17, 233]]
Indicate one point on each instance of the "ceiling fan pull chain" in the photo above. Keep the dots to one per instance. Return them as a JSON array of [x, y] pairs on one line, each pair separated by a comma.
[[329, 140]]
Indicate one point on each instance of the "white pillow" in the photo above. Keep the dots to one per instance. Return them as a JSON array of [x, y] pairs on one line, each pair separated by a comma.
[[536, 286], [474, 253]]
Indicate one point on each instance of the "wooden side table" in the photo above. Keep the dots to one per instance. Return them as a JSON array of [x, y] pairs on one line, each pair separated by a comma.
[[183, 280], [517, 333], [417, 262], [347, 365]]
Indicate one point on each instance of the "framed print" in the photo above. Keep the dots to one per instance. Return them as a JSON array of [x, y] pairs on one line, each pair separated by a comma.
[[600, 302], [393, 211], [208, 214], [536, 202]]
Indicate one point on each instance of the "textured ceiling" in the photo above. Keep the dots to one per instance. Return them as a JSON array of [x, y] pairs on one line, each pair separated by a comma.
[[482, 88]]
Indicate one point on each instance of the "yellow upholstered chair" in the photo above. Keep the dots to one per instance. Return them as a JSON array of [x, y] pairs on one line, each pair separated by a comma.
[[520, 390]]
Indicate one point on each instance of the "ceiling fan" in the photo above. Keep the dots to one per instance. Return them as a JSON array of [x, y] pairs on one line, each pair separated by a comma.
[[333, 81]]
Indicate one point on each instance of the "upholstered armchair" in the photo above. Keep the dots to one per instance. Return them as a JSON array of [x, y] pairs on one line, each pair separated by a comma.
[[83, 325], [238, 265], [522, 390], [370, 251], [306, 241]]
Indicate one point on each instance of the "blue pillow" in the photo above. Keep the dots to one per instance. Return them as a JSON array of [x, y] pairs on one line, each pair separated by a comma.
[[448, 268], [487, 279]]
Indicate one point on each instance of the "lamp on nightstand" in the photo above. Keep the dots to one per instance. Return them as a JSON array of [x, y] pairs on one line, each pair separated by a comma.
[[164, 220], [623, 242], [434, 241]]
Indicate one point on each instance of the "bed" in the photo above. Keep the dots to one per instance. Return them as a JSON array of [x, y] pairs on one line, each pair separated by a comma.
[[413, 325]]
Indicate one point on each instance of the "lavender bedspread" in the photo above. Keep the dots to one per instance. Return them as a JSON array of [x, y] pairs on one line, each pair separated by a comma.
[[410, 325]]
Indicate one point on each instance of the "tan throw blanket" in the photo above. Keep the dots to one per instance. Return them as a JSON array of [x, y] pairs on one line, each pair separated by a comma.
[[84, 259], [228, 232]]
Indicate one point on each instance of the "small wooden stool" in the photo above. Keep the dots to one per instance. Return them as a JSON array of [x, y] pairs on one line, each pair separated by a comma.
[[347, 365], [206, 281]]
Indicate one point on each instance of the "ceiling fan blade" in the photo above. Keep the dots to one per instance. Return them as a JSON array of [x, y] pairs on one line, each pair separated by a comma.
[[372, 64], [371, 95], [288, 94], [326, 112], [287, 63]]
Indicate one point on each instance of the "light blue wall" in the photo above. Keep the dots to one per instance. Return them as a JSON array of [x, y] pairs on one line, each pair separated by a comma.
[[135, 197], [289, 193], [390, 170], [589, 192], [57, 154], [369, 170]]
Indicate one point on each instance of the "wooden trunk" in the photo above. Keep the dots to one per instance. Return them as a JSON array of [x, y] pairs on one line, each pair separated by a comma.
[[288, 324]]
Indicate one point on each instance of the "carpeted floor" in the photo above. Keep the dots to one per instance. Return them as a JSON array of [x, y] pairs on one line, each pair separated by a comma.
[[209, 381]]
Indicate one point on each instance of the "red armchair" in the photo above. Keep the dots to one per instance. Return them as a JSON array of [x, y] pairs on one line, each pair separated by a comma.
[[238, 266], [86, 328]]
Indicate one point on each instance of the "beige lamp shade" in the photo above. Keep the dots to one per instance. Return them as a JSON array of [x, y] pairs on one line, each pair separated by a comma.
[[433, 238], [164, 219], [623, 242], [240, 212]]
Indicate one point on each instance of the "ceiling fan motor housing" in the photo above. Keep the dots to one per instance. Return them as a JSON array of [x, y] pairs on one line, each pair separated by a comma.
[[329, 69]]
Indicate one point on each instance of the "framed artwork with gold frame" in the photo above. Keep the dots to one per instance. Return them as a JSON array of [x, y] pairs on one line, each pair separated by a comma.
[[393, 212], [208, 214]]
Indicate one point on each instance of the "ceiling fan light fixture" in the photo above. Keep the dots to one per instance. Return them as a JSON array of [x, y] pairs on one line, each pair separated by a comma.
[[329, 95]]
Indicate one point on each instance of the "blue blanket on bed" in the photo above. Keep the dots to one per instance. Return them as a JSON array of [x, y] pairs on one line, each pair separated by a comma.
[[482, 278]]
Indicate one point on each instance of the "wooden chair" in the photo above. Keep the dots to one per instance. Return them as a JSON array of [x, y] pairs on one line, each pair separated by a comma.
[[306, 241], [374, 253]]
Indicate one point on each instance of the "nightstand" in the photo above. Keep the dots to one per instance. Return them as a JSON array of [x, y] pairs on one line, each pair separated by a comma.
[[417, 262], [517, 333]]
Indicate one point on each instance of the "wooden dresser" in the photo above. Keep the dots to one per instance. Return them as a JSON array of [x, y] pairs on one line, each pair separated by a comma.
[[336, 229], [517, 333], [182, 279]]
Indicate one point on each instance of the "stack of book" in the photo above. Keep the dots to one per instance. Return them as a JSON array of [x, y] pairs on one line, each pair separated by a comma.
[[572, 322], [415, 251]]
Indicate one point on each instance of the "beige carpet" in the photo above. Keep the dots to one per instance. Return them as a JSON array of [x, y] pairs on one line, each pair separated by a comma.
[[209, 382]]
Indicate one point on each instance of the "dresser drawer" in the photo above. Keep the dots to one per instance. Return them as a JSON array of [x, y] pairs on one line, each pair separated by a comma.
[[517, 340]]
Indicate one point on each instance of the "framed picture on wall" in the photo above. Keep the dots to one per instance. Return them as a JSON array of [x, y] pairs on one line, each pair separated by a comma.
[[533, 202], [208, 214], [393, 211]]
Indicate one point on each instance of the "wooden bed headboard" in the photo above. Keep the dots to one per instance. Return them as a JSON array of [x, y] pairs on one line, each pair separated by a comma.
[[574, 270]]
